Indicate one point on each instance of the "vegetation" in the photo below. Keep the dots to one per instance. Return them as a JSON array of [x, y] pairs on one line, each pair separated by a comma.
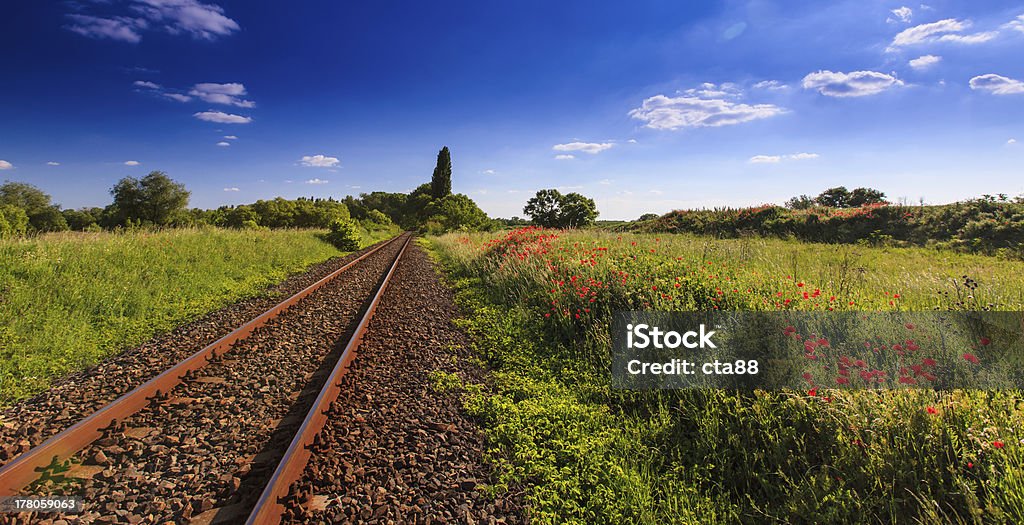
[[344, 235], [990, 225], [68, 300], [540, 303], [551, 209]]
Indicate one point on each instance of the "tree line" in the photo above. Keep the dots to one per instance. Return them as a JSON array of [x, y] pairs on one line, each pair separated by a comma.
[[156, 200]]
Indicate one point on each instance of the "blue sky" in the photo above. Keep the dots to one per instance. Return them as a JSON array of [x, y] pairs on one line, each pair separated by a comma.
[[647, 106]]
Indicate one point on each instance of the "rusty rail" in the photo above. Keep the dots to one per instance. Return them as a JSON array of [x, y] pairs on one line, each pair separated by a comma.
[[27, 467], [268, 509]]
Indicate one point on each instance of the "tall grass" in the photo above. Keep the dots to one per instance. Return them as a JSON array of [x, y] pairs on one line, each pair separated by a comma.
[[540, 308], [68, 300]]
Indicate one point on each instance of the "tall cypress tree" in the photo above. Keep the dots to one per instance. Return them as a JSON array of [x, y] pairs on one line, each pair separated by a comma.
[[441, 181]]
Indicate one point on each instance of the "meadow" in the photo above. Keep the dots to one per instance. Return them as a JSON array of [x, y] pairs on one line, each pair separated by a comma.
[[69, 300], [538, 304]]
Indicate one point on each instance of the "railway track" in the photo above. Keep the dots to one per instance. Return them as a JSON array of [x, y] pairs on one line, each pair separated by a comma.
[[223, 435]]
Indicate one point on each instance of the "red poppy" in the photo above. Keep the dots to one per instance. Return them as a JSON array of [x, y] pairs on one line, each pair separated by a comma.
[[971, 357], [998, 444], [985, 341], [931, 410]]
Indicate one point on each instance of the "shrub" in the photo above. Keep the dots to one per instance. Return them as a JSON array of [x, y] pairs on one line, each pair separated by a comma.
[[344, 235]]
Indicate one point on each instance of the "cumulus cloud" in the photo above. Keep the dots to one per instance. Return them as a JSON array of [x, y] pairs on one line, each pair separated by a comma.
[[693, 110], [631, 141], [924, 62], [191, 17], [488, 172], [853, 84], [317, 181], [711, 90], [231, 189], [948, 30], [145, 84], [319, 161], [592, 148], [159, 90], [997, 84], [227, 94], [773, 85], [223, 144], [1016, 24], [903, 14], [53, 163], [565, 157], [131, 163], [230, 137], [1011, 141], [775, 159], [177, 96], [125, 29], [4, 165], [222, 118]]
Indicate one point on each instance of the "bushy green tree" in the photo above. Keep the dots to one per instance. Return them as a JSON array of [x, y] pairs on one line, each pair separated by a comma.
[[551, 209], [13, 221], [43, 216], [837, 197], [153, 200], [344, 235]]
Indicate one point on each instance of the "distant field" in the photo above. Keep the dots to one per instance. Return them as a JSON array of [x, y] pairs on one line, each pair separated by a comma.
[[68, 300], [540, 303]]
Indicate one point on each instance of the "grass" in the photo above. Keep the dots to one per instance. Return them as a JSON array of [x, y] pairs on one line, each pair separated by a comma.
[[69, 300], [539, 304]]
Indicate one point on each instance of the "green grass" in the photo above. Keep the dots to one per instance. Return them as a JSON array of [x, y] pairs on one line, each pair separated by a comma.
[[69, 300], [586, 453]]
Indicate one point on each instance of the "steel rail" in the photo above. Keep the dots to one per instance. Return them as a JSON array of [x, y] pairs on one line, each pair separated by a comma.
[[268, 509], [26, 468]]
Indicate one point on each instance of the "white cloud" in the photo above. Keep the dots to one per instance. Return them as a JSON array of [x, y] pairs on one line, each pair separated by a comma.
[[221, 117], [488, 172], [924, 62], [317, 181], [230, 137], [976, 38], [319, 161], [710, 90], [775, 159], [131, 163], [631, 141], [565, 157], [903, 13], [223, 144], [145, 84], [592, 148], [947, 30], [1011, 141], [227, 94], [231, 189], [661, 112], [605, 182], [53, 163], [177, 96], [205, 21], [4, 165], [773, 85], [125, 29], [853, 84], [997, 84], [1017, 24]]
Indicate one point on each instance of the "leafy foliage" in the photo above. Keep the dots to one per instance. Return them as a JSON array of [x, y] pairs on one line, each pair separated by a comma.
[[154, 200], [42, 215], [344, 235], [441, 180], [550, 209]]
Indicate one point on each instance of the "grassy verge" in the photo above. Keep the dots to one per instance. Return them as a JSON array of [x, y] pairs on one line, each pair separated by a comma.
[[69, 300], [539, 304]]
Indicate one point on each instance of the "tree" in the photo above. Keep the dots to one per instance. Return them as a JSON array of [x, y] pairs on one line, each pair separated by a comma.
[[42, 215], [543, 208], [861, 196], [576, 211], [801, 202], [459, 212], [838, 197], [551, 209], [441, 181], [13, 221], [79, 220], [156, 199], [648, 217]]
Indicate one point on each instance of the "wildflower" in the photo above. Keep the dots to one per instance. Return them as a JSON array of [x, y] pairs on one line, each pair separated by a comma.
[[985, 341], [931, 410], [998, 444], [971, 357]]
